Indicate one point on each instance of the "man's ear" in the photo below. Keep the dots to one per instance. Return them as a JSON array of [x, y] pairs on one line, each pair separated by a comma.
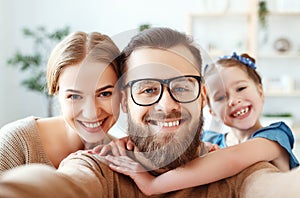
[[203, 95], [124, 101]]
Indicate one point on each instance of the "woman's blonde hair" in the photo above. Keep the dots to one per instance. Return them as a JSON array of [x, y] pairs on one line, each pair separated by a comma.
[[74, 48]]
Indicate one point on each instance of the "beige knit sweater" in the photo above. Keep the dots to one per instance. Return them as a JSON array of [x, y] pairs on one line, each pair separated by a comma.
[[20, 143], [84, 176]]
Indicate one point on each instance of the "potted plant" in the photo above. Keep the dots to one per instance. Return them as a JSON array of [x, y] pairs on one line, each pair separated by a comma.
[[35, 63], [263, 12]]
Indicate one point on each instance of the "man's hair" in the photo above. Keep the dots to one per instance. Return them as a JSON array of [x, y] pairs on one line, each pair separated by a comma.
[[161, 38]]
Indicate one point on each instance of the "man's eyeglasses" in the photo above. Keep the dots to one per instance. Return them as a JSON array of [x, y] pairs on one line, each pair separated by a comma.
[[183, 89]]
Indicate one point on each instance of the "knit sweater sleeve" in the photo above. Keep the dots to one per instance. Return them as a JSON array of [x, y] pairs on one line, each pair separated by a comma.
[[20, 144]]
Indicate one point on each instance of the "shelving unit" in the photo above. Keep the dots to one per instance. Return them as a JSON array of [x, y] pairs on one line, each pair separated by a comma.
[[208, 29], [221, 33]]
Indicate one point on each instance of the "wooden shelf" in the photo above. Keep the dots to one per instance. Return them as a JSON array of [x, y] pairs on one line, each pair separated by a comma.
[[286, 13], [289, 54], [295, 93], [218, 14]]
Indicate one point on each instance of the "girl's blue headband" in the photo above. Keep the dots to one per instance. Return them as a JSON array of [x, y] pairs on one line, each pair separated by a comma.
[[242, 59]]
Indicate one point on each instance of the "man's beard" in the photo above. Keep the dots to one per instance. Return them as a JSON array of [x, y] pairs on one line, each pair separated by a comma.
[[167, 150]]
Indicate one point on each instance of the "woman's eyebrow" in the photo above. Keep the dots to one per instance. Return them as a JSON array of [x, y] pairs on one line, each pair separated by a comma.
[[105, 87], [73, 90]]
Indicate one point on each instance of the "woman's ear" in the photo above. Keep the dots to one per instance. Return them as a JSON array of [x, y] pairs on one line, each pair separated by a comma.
[[124, 101]]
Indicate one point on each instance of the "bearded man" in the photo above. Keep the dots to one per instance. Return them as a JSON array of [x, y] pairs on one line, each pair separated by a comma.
[[163, 95]]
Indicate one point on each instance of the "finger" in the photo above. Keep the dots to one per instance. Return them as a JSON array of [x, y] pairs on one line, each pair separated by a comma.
[[119, 169], [98, 148], [126, 163], [105, 150], [115, 150], [115, 160], [129, 145], [121, 145], [122, 161]]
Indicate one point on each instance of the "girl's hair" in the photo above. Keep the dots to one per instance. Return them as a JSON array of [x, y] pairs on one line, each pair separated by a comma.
[[162, 38], [74, 48], [243, 61]]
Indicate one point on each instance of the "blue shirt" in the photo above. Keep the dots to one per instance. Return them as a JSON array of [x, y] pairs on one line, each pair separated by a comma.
[[278, 132]]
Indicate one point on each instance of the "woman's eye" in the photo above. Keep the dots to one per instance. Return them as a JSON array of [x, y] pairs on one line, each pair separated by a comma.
[[74, 97], [105, 94]]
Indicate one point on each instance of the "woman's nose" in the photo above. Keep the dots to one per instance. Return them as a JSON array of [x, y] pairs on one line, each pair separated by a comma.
[[90, 109]]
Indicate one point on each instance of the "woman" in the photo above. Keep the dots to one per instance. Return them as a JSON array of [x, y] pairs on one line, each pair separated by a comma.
[[82, 73]]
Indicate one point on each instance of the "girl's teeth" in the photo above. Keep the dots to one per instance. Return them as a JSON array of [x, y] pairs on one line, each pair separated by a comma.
[[241, 112]]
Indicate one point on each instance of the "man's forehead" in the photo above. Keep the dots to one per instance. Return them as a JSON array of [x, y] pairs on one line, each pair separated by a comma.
[[161, 63]]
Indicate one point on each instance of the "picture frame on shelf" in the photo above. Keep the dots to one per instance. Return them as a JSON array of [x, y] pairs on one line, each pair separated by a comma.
[[280, 84]]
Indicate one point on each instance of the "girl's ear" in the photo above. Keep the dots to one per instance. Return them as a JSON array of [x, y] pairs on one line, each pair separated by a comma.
[[260, 90], [124, 101]]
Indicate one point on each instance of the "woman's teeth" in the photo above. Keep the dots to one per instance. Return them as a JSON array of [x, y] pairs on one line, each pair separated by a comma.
[[92, 125]]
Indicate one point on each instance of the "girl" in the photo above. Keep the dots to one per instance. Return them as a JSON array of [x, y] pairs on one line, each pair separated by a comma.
[[82, 73], [236, 98]]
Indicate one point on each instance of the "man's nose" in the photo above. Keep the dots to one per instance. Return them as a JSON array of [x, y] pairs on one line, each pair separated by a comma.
[[90, 109], [167, 103]]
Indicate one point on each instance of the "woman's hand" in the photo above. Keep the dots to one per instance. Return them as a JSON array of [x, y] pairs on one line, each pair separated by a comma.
[[116, 147]]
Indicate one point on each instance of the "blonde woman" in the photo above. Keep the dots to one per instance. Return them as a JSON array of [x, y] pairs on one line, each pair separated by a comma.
[[82, 74]]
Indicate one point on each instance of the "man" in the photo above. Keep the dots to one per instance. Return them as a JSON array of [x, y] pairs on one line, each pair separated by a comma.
[[163, 95]]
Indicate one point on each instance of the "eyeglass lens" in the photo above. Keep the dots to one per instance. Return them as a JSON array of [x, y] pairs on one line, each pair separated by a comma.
[[183, 89]]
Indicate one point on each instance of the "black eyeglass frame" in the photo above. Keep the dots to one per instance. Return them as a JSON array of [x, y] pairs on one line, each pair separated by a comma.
[[162, 83]]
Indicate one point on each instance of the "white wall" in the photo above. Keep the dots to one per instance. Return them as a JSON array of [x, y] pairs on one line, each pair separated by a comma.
[[107, 16], [111, 17]]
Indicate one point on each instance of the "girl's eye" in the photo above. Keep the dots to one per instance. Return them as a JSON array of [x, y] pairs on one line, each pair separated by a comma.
[[220, 98], [74, 97], [241, 89]]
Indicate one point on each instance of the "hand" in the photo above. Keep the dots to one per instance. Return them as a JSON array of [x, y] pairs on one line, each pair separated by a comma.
[[211, 147], [214, 147], [116, 148], [125, 165]]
